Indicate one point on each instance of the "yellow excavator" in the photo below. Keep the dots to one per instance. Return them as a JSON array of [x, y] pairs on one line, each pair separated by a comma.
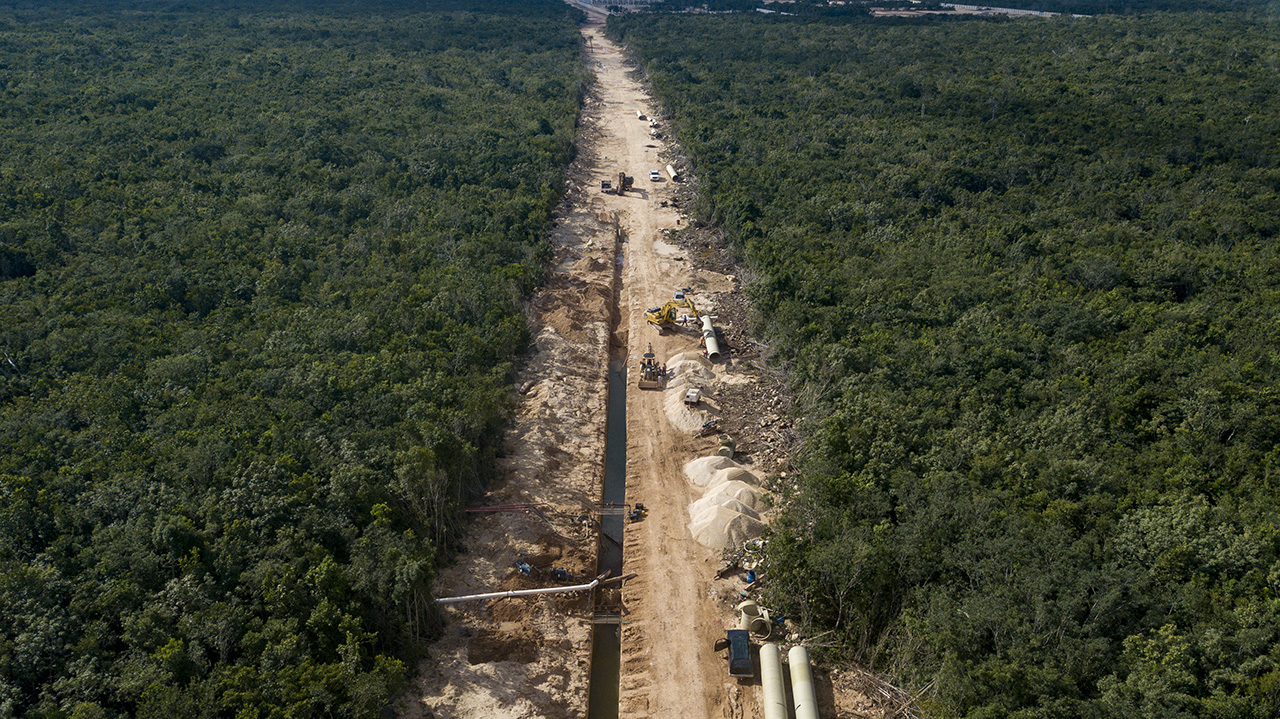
[[667, 314], [650, 372]]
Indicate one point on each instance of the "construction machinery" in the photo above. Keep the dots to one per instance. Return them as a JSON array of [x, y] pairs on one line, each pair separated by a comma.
[[667, 314], [650, 371], [624, 183]]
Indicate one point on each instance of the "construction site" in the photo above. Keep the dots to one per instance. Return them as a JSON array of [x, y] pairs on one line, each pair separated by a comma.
[[613, 571]]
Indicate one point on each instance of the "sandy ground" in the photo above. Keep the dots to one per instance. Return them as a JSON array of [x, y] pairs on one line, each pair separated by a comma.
[[528, 657]]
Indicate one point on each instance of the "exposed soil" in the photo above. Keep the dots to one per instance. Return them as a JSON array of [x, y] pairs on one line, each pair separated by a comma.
[[528, 657]]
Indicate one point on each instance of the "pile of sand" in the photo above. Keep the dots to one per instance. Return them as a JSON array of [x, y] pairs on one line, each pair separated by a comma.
[[701, 471], [727, 514], [732, 474], [747, 494], [710, 506], [725, 528], [682, 416]]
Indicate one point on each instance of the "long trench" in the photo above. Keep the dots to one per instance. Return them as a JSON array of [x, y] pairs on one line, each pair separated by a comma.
[[606, 635]]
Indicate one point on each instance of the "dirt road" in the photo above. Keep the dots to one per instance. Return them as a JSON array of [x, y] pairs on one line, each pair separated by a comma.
[[528, 657], [670, 667]]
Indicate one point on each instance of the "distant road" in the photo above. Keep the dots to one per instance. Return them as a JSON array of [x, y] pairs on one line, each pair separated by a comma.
[[1003, 10], [589, 8]]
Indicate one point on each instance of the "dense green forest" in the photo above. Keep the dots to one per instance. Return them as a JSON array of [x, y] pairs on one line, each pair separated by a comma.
[[261, 271], [1024, 277], [859, 8]]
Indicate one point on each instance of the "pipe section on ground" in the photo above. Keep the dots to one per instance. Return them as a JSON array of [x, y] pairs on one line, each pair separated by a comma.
[[771, 685], [523, 592], [754, 618], [709, 339], [803, 697]]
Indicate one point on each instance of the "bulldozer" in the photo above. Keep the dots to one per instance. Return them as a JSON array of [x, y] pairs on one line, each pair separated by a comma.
[[667, 314], [650, 372]]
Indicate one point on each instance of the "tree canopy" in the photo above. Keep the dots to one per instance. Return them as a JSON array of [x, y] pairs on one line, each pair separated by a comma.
[[1024, 278], [262, 268]]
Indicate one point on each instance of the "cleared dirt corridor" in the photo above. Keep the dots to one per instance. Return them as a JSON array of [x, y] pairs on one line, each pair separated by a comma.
[[527, 657]]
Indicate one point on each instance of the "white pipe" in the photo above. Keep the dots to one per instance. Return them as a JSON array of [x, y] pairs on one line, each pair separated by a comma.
[[523, 592], [775, 696], [675, 176], [709, 338], [802, 694]]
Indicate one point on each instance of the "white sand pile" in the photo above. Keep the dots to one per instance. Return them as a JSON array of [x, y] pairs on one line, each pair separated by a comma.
[[682, 416], [687, 370], [727, 515], [686, 373], [702, 470], [686, 365], [741, 491], [723, 528], [732, 474], [708, 507]]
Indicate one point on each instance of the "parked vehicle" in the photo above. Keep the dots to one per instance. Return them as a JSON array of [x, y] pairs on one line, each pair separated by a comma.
[[740, 653]]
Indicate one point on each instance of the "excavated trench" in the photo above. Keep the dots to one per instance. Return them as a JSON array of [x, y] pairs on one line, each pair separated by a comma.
[[606, 640]]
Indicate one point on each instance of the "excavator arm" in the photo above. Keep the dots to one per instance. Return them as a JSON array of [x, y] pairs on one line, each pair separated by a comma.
[[667, 314]]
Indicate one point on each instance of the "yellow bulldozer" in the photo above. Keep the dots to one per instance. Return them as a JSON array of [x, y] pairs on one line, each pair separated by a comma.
[[650, 372], [668, 314]]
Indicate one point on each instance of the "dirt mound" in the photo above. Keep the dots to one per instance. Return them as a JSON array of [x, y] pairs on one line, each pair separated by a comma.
[[572, 309], [732, 474], [743, 492], [727, 515], [723, 528], [683, 417], [688, 370], [708, 507], [518, 644], [702, 470]]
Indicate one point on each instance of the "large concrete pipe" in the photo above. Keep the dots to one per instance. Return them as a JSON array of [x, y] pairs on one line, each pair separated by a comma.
[[802, 695], [671, 171], [775, 696], [709, 339], [754, 618]]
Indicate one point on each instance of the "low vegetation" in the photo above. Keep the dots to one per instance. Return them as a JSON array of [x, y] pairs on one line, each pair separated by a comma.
[[1024, 277], [262, 268]]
